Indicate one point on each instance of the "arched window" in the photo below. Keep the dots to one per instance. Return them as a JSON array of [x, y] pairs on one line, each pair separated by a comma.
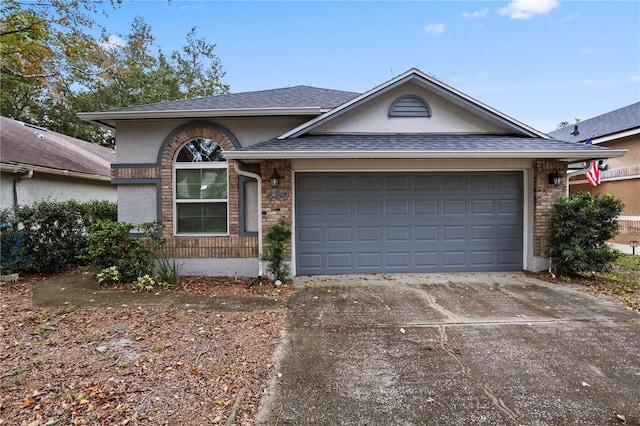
[[410, 106], [201, 189]]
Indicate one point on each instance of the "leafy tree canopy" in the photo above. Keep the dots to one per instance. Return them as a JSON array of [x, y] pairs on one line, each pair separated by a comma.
[[52, 67]]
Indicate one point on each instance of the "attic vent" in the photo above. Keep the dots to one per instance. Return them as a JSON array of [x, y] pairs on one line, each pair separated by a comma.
[[410, 106]]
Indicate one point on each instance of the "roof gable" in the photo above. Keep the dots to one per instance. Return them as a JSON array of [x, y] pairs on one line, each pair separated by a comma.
[[432, 85], [374, 116], [28, 145]]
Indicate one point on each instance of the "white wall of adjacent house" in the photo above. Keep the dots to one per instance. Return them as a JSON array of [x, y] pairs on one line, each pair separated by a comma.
[[373, 117], [43, 187]]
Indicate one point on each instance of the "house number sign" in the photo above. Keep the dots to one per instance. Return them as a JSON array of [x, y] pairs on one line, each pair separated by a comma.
[[277, 195]]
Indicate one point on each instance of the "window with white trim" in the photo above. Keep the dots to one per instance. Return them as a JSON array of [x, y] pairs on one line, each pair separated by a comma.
[[201, 189]]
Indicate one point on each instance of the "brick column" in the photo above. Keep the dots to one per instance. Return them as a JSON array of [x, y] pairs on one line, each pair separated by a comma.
[[276, 202], [544, 196]]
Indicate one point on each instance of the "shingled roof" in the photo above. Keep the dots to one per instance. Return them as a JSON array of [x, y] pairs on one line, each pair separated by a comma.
[[617, 121], [410, 146], [288, 97], [25, 145]]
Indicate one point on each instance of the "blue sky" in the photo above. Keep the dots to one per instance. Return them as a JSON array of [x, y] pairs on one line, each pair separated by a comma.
[[539, 61]]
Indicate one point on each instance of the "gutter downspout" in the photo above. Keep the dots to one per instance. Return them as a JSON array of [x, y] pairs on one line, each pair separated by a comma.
[[25, 174], [259, 179]]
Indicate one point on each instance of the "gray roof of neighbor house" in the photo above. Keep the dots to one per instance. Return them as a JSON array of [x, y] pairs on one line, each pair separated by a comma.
[[614, 122], [420, 146], [29, 146]]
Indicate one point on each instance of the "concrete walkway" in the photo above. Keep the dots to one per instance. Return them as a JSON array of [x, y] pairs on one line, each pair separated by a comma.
[[463, 349]]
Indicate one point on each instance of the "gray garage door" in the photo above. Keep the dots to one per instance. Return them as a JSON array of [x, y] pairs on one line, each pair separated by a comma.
[[408, 222]]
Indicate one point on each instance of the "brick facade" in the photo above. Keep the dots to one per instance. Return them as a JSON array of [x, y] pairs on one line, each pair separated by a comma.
[[277, 202], [544, 196]]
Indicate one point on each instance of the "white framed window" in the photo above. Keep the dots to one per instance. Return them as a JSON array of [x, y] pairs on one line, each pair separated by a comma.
[[201, 188]]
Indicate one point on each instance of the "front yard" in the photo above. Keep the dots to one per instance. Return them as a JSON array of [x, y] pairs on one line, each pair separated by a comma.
[[143, 365], [134, 364]]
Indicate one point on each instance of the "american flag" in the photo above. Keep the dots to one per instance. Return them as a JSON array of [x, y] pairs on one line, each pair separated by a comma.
[[593, 174]]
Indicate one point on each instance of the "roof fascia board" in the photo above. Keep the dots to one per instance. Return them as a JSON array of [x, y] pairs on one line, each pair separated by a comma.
[[618, 135], [233, 112], [442, 89], [563, 155], [13, 168]]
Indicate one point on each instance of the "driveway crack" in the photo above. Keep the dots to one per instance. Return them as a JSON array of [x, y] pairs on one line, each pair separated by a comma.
[[466, 371]]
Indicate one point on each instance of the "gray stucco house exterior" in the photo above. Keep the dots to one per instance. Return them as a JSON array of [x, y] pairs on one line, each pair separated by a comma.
[[411, 176]]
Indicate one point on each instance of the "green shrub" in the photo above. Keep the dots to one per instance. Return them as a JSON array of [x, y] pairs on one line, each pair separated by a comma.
[[581, 225], [275, 250], [49, 235], [112, 244]]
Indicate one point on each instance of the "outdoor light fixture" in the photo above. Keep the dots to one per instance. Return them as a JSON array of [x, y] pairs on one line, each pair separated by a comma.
[[275, 178], [633, 245], [555, 178]]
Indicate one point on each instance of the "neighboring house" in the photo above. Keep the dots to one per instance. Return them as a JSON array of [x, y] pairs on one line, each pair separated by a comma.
[[37, 164], [620, 177], [411, 176]]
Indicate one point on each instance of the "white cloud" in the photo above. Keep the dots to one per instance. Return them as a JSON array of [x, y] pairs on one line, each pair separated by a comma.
[[586, 50], [112, 43], [434, 29], [476, 14], [527, 9]]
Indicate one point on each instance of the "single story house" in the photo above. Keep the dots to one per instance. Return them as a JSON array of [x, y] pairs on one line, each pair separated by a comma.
[[410, 176], [620, 176], [37, 164]]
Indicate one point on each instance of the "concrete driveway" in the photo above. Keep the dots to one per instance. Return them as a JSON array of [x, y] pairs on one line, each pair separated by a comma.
[[463, 349]]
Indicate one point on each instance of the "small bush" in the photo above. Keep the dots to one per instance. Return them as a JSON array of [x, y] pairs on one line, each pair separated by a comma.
[[275, 250], [49, 235], [581, 225], [112, 245]]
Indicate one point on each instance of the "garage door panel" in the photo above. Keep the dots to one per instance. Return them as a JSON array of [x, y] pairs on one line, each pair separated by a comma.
[[397, 207], [482, 232], [482, 207], [338, 234], [454, 233], [398, 259], [426, 259], [340, 260], [482, 182], [427, 233], [339, 208], [369, 260], [454, 182], [310, 208], [399, 182], [369, 233], [454, 258], [310, 234], [426, 207], [482, 257], [398, 233], [367, 182], [368, 207], [454, 207], [408, 222]]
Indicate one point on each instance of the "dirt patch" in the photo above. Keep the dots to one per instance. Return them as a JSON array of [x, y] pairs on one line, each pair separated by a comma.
[[136, 364], [622, 293]]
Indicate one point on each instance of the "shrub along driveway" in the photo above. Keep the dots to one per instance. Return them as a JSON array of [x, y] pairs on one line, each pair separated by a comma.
[[495, 349]]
